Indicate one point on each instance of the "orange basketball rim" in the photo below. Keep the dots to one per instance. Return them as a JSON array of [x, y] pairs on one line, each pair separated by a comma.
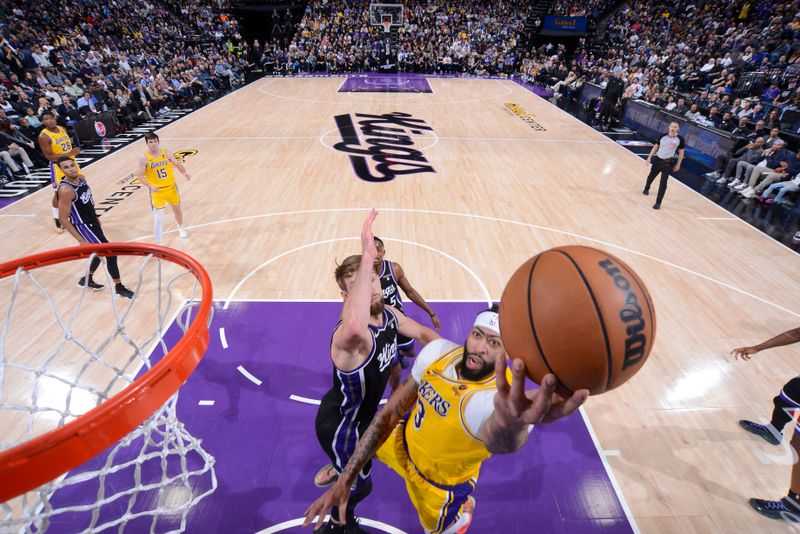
[[31, 464]]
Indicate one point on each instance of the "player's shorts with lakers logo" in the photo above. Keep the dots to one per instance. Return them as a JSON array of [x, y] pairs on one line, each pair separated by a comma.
[[56, 174], [438, 506], [165, 195]]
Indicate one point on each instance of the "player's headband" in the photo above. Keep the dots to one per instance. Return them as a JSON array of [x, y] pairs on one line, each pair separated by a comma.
[[489, 320]]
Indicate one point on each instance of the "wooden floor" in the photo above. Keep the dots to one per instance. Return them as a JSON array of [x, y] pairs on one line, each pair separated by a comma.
[[267, 187]]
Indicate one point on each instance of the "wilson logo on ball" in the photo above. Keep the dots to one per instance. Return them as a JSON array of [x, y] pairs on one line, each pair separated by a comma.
[[636, 342]]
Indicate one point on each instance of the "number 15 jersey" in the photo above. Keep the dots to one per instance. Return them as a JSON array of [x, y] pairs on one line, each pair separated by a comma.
[[158, 171]]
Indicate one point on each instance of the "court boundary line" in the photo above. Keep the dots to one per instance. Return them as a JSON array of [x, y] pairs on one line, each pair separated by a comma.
[[719, 207], [609, 472]]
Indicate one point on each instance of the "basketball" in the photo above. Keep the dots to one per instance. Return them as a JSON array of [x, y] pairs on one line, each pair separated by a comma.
[[581, 314]]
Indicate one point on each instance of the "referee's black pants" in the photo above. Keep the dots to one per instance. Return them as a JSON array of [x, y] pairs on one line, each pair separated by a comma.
[[662, 166]]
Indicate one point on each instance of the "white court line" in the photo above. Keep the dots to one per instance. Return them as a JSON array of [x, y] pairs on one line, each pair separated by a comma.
[[206, 403], [286, 525], [609, 472], [717, 218], [472, 273], [612, 452], [498, 220], [247, 375], [222, 338], [306, 400]]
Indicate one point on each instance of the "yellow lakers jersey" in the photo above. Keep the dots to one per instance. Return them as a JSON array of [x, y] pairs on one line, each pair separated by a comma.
[[61, 144], [440, 444], [158, 171]]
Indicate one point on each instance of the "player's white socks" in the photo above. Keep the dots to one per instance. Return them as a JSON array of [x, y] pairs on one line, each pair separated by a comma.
[[55, 213], [158, 225]]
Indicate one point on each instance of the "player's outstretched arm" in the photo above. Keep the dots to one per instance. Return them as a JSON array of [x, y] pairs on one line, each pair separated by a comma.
[[413, 294], [786, 338], [506, 430], [378, 431], [411, 328], [353, 337], [178, 165]]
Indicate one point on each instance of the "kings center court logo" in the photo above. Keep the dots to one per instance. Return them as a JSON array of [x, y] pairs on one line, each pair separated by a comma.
[[382, 147]]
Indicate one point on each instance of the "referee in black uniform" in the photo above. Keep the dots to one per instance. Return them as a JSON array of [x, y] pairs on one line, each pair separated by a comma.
[[661, 158]]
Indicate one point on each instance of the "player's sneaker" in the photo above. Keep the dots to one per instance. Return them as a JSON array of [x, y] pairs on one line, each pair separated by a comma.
[[94, 286], [182, 232], [768, 433], [123, 291], [326, 476], [57, 226], [782, 509], [468, 509]]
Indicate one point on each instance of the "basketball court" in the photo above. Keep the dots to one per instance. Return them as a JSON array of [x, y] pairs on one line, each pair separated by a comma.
[[490, 174]]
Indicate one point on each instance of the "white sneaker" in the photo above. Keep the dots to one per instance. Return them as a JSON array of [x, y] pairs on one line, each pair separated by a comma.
[[722, 180], [748, 193], [714, 174], [741, 187], [182, 232], [734, 183]]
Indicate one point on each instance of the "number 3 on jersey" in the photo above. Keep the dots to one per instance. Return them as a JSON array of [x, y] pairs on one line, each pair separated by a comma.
[[420, 414]]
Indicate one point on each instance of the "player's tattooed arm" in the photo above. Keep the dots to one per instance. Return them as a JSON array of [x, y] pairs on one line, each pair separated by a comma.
[[381, 427]]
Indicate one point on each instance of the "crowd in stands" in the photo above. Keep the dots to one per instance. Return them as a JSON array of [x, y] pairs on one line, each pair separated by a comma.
[[132, 59], [471, 36], [693, 59]]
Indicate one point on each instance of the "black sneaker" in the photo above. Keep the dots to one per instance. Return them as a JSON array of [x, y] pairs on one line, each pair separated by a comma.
[[352, 527], [657, 206], [57, 226], [768, 433], [782, 509], [645, 191], [123, 291], [332, 528], [94, 286]]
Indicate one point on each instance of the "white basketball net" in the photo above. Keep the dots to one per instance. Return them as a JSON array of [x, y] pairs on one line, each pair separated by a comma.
[[65, 350]]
